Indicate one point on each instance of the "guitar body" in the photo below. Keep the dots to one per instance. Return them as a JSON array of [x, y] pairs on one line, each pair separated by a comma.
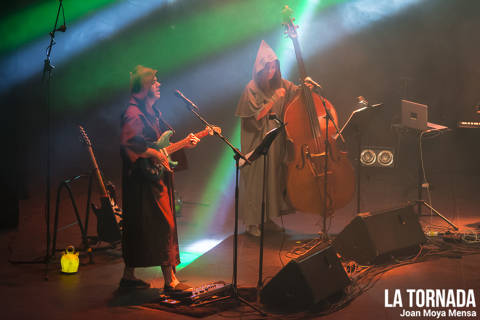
[[153, 170], [107, 227], [149, 168]]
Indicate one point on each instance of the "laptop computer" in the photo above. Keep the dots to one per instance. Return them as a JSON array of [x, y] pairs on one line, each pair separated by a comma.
[[414, 115]]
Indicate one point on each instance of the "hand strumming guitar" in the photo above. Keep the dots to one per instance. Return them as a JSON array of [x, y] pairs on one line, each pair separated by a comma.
[[159, 156]]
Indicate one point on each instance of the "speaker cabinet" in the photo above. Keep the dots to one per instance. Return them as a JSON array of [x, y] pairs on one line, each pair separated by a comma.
[[378, 237], [306, 280]]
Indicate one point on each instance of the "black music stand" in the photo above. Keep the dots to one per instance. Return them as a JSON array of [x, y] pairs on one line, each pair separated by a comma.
[[262, 150], [353, 130]]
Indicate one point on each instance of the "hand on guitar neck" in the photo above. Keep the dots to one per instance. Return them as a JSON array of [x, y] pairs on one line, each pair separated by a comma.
[[193, 139], [161, 149]]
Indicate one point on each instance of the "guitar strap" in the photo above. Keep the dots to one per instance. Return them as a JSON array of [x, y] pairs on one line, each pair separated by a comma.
[[136, 103], [160, 118]]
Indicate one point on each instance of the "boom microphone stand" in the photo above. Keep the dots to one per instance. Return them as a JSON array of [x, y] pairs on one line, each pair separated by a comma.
[[46, 77], [328, 117], [237, 155]]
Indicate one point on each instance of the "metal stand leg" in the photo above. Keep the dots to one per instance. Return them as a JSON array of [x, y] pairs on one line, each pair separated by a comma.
[[83, 227], [420, 202], [262, 225], [234, 293], [359, 173]]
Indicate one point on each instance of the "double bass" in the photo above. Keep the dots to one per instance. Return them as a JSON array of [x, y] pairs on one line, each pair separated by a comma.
[[320, 177]]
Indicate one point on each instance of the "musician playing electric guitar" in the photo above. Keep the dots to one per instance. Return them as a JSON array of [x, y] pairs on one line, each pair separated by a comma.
[[150, 231]]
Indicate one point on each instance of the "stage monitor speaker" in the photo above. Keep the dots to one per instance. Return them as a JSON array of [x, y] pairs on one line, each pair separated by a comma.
[[378, 237], [306, 280]]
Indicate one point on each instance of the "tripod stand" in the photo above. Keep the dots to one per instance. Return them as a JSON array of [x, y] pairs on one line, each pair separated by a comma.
[[422, 176], [237, 156]]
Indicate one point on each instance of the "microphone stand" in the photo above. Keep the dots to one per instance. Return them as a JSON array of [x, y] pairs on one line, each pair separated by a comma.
[[237, 155], [328, 117], [46, 78]]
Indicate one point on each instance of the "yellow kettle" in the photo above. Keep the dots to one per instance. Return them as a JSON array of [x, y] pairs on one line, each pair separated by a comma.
[[69, 260]]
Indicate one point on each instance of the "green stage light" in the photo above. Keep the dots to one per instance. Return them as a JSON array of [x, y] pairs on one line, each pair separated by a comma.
[[28, 24], [167, 46]]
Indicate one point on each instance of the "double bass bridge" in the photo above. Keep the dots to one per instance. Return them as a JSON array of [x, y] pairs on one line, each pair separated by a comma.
[[314, 161]]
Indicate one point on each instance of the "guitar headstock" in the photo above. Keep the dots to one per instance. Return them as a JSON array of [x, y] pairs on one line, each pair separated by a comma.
[[290, 27], [83, 135]]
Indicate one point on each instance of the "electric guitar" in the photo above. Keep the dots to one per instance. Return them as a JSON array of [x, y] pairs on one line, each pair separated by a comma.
[[151, 168], [108, 214]]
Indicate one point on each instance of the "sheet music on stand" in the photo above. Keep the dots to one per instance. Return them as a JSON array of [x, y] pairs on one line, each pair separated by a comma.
[[263, 146]]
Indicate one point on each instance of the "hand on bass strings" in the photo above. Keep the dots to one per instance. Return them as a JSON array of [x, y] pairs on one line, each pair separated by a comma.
[[280, 93]]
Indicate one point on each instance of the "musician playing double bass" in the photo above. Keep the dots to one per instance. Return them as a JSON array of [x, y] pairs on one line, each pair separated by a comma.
[[150, 230], [265, 95]]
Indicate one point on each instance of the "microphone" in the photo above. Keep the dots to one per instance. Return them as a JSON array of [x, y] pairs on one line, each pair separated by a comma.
[[62, 28], [179, 94], [273, 116], [362, 102], [308, 79]]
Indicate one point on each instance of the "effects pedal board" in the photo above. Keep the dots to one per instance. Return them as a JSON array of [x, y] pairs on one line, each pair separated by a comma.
[[199, 295], [209, 290]]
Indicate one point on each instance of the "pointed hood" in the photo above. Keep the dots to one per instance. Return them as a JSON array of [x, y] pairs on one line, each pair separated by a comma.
[[265, 55]]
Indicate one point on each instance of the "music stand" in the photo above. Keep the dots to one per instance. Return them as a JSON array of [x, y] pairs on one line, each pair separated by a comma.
[[357, 122], [262, 150]]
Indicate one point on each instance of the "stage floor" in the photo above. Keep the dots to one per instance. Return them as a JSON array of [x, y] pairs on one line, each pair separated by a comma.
[[92, 292]]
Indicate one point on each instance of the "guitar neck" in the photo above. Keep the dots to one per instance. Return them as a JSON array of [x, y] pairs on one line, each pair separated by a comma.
[[174, 147], [87, 142], [97, 172]]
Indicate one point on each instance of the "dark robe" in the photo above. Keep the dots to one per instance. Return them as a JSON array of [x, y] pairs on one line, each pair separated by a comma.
[[251, 103], [150, 232]]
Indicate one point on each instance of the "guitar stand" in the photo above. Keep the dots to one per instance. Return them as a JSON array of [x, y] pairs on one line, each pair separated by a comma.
[[83, 227], [86, 240]]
